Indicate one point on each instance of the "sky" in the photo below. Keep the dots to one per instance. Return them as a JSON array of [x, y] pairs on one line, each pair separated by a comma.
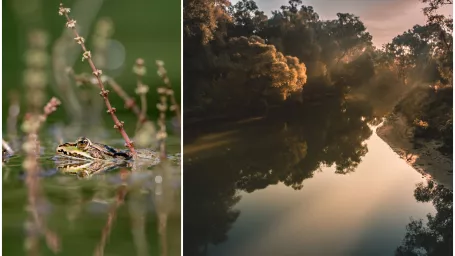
[[384, 19]]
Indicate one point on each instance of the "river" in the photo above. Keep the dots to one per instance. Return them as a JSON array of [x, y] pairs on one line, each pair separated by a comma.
[[322, 184]]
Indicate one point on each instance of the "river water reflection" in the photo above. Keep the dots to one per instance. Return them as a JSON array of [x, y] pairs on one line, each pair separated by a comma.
[[325, 186]]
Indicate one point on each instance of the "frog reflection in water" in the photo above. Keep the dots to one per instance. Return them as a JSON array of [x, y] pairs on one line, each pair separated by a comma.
[[85, 156]]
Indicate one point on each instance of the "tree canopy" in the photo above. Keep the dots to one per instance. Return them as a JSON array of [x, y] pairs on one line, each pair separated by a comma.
[[236, 54]]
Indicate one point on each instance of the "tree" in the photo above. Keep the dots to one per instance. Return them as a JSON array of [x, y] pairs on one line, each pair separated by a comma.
[[248, 20], [351, 36], [251, 70], [201, 18], [436, 237], [444, 28], [416, 53]]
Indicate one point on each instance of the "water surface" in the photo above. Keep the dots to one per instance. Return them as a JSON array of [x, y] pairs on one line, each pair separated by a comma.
[[326, 185], [115, 212]]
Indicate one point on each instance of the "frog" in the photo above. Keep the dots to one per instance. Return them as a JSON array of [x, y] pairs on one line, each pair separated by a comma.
[[98, 156]]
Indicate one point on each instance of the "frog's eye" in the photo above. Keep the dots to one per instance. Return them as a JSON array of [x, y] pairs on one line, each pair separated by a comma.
[[82, 143]]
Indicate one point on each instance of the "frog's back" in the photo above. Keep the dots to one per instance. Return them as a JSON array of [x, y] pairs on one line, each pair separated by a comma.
[[154, 156], [148, 154]]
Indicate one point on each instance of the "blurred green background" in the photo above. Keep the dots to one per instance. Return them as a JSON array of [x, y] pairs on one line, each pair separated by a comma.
[[147, 29]]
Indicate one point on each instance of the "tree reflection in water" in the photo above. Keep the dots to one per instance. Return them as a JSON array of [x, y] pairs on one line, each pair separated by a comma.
[[285, 147], [434, 237]]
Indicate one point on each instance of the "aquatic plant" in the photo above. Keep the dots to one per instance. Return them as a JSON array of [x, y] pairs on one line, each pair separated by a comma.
[[71, 23], [31, 148], [162, 134], [120, 198], [130, 103], [163, 74], [142, 89]]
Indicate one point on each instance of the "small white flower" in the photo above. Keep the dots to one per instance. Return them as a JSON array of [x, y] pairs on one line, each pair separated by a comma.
[[94, 80], [79, 40], [98, 72], [143, 89], [161, 90], [86, 55], [161, 135], [62, 10], [161, 107], [71, 24]]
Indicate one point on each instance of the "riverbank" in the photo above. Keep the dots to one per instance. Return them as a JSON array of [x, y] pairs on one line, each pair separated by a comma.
[[422, 155]]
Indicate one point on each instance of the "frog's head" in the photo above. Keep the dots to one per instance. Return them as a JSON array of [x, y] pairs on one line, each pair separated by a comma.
[[82, 149], [83, 143], [78, 149]]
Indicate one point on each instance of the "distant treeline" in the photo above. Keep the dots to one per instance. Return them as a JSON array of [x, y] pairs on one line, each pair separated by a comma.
[[239, 60]]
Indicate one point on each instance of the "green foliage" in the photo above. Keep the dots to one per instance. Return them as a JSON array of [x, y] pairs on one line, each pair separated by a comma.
[[436, 237], [243, 58], [251, 69], [419, 55], [201, 17]]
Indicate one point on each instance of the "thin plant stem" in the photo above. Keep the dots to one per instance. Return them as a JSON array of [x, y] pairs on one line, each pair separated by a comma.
[[170, 92], [162, 220], [162, 134], [141, 89], [13, 113], [30, 164], [121, 193], [137, 207], [130, 103], [99, 251], [97, 73]]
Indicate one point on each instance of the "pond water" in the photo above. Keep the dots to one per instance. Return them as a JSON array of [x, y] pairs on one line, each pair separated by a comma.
[[320, 184], [115, 212]]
